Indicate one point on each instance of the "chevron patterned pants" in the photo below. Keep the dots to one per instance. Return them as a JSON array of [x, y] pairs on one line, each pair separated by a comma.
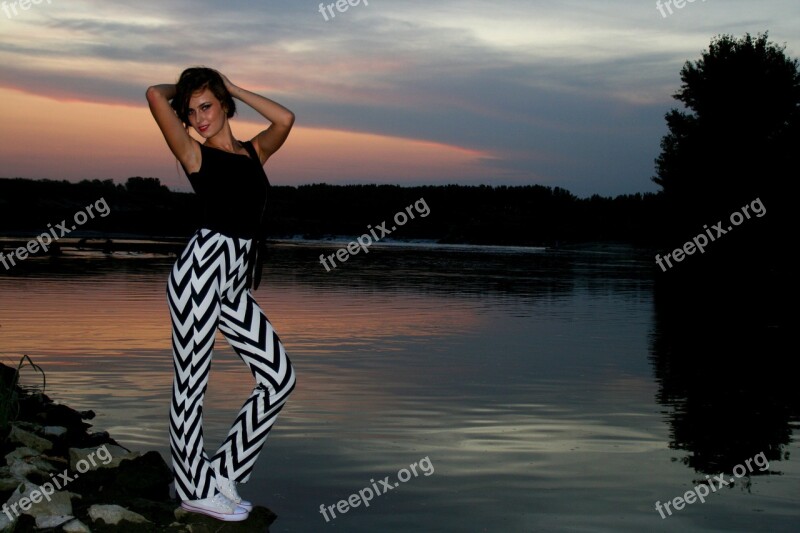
[[206, 290]]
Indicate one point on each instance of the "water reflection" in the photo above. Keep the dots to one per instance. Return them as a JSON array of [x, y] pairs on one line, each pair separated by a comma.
[[523, 376], [726, 379]]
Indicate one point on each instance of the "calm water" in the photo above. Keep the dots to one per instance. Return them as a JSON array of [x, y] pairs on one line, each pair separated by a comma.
[[547, 390]]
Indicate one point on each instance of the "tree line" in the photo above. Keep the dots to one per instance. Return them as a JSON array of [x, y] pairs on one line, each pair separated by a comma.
[[532, 215]]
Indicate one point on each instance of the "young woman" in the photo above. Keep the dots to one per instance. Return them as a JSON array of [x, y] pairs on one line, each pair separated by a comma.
[[210, 284]]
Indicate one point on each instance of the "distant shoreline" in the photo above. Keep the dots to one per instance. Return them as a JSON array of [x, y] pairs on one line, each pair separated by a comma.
[[525, 216], [170, 246]]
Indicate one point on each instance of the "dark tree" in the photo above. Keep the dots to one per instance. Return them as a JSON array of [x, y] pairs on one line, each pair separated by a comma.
[[722, 318], [152, 186], [739, 137], [736, 142]]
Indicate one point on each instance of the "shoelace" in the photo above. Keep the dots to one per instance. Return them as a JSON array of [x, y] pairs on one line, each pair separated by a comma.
[[230, 487], [221, 501]]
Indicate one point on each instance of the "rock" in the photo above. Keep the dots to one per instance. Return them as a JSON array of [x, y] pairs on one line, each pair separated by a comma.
[[160, 512], [41, 466], [28, 426], [96, 438], [75, 526], [20, 470], [30, 499], [147, 477], [114, 514], [29, 439], [58, 504], [105, 456], [23, 463], [8, 483], [54, 431], [21, 453], [141, 485], [42, 409], [29, 468], [6, 525], [49, 521]]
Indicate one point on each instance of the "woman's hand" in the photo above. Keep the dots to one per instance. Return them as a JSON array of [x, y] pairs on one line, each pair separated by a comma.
[[268, 141], [228, 84]]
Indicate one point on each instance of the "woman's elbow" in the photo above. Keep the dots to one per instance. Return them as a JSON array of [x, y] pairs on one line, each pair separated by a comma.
[[152, 93], [288, 119]]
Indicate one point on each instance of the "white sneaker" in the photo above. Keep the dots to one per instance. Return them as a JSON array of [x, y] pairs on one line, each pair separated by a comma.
[[217, 506], [228, 488]]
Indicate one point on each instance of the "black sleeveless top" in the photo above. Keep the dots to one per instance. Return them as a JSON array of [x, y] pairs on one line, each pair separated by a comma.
[[232, 189]]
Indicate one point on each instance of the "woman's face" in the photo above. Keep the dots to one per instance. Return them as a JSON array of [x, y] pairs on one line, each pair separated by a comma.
[[206, 115]]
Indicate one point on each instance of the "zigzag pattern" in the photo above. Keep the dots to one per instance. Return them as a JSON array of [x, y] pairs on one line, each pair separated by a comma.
[[206, 291]]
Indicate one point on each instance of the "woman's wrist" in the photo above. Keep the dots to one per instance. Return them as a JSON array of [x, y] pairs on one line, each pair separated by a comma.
[[234, 90], [229, 86], [167, 90]]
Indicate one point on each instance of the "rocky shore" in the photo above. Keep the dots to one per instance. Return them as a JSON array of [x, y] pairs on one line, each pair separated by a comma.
[[61, 477]]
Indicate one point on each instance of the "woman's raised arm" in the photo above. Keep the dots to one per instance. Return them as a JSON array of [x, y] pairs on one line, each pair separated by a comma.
[[268, 141], [185, 149]]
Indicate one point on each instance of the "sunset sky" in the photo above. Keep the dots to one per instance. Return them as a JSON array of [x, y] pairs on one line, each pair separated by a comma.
[[558, 93]]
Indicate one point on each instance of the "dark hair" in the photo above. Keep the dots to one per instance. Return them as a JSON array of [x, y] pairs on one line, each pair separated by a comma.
[[196, 79]]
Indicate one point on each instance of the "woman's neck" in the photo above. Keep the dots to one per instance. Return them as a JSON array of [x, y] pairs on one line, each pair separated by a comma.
[[224, 140]]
